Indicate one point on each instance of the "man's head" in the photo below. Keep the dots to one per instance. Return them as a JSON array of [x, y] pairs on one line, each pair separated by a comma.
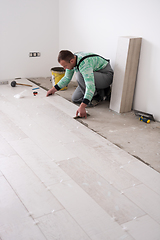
[[67, 59]]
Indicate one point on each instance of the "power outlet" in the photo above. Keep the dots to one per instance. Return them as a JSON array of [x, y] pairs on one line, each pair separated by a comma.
[[34, 54]]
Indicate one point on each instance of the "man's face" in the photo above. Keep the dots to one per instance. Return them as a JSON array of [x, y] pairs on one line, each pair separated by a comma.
[[67, 65]]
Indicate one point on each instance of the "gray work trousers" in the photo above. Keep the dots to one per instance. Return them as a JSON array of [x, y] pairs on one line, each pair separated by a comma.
[[102, 78]]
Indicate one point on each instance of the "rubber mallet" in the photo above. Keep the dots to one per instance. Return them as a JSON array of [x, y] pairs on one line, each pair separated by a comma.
[[14, 83]]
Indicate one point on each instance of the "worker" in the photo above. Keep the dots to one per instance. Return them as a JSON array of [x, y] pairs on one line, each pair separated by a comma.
[[94, 76]]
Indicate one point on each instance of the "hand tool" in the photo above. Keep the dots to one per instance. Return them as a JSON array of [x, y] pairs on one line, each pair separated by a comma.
[[14, 83], [146, 120]]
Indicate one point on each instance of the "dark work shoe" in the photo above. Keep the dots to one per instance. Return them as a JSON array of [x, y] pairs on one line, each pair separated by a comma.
[[95, 101], [107, 93]]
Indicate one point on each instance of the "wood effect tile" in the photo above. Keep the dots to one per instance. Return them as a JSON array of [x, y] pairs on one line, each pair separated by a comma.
[[34, 195], [111, 170], [145, 174], [146, 199], [5, 148], [9, 130], [97, 224], [60, 225], [110, 199], [15, 223], [143, 228], [28, 149], [44, 167], [66, 106]]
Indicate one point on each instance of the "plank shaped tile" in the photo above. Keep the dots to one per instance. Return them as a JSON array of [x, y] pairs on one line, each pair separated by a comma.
[[43, 166], [61, 103], [58, 128], [14, 220], [48, 141], [145, 174], [143, 228], [112, 171], [34, 195], [9, 130], [28, 149], [118, 155], [110, 199], [146, 199], [5, 148], [96, 223], [60, 225]]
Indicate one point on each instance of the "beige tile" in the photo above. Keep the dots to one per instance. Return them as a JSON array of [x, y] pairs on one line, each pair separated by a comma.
[[103, 164], [60, 225], [143, 228], [34, 195], [125, 73], [87, 213], [104, 193], [15, 223], [145, 174], [146, 199]]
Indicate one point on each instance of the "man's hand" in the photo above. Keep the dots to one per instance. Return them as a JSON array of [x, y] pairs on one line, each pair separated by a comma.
[[82, 111], [51, 91]]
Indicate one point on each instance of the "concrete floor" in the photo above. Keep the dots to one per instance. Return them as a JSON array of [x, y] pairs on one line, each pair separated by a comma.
[[139, 139]]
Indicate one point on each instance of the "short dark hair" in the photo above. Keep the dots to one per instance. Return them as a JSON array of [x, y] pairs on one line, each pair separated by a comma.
[[65, 55]]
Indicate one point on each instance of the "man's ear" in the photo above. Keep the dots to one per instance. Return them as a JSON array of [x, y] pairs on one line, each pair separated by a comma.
[[72, 60]]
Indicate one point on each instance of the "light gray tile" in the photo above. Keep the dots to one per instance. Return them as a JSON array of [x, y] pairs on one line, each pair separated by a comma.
[[102, 163], [14, 218], [145, 174], [87, 213], [60, 225], [146, 199], [110, 199], [143, 228], [34, 195], [5, 148], [9, 130], [44, 167]]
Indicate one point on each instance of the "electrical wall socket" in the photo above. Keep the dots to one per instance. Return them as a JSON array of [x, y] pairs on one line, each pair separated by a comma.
[[34, 54]]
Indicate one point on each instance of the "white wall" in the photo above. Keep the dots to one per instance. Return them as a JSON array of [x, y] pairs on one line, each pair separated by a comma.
[[28, 25], [95, 25]]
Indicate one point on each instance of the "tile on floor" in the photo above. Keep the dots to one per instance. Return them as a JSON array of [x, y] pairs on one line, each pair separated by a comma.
[[146, 199], [98, 188], [34, 195], [143, 228], [87, 213], [145, 174], [15, 222], [60, 225]]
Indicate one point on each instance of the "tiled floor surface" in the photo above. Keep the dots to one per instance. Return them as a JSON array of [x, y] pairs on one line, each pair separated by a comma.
[[59, 180], [139, 139]]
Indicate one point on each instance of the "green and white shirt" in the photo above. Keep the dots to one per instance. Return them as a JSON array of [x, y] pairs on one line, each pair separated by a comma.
[[86, 68]]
